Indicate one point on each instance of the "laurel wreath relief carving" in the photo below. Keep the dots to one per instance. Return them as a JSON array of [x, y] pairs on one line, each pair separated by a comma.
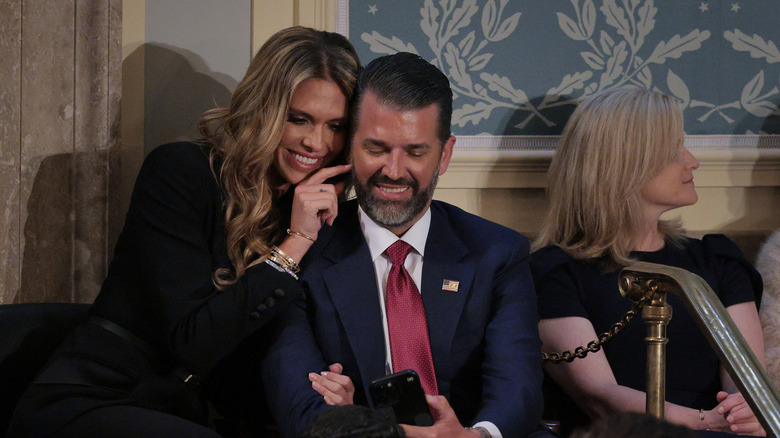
[[612, 39]]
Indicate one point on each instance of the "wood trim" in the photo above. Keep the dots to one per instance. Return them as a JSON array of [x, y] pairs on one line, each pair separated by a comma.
[[270, 16], [522, 161]]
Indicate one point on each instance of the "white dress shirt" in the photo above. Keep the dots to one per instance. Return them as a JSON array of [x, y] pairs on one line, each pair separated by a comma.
[[379, 239]]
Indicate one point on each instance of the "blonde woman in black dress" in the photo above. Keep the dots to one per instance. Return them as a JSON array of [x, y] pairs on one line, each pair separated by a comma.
[[621, 164]]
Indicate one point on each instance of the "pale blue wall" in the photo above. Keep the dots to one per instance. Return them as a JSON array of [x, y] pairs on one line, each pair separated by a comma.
[[514, 64]]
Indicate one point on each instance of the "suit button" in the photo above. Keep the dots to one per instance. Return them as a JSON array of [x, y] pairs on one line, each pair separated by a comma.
[[279, 293], [269, 302], [254, 315], [262, 307]]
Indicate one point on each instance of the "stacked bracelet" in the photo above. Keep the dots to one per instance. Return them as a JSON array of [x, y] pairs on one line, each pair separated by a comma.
[[296, 233], [276, 266], [283, 261]]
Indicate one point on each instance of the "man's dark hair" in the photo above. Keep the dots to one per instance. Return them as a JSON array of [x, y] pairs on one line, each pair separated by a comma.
[[404, 81], [353, 421]]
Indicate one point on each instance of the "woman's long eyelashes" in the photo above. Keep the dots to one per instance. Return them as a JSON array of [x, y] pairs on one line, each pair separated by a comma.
[[340, 126]]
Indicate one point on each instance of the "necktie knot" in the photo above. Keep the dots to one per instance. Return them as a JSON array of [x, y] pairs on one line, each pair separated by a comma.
[[398, 252]]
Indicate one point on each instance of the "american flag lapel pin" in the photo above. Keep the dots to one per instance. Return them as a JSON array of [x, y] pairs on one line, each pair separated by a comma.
[[450, 285]]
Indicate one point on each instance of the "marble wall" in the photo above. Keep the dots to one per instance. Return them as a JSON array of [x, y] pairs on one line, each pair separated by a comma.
[[59, 111]]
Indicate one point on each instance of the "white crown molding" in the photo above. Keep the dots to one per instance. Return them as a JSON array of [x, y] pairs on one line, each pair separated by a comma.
[[522, 161], [549, 142], [343, 17]]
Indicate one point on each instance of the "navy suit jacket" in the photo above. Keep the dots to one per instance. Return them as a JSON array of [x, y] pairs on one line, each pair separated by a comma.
[[484, 337]]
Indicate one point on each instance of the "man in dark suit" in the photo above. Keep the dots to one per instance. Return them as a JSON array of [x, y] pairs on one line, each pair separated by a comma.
[[476, 330]]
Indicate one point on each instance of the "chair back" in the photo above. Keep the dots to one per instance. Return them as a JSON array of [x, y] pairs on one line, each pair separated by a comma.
[[29, 334]]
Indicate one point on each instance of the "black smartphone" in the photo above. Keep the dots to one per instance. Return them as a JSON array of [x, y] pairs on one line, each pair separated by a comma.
[[402, 394]]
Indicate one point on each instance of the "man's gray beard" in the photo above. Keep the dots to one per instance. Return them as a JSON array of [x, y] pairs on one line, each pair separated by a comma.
[[391, 214]]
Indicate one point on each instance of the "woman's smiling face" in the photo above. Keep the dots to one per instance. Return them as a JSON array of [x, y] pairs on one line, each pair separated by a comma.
[[315, 131]]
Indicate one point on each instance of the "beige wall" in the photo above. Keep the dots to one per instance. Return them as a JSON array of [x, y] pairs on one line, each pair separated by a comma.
[[737, 185], [270, 16], [132, 123]]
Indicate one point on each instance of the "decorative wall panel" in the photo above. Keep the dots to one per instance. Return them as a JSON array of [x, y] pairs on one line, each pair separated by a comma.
[[519, 66]]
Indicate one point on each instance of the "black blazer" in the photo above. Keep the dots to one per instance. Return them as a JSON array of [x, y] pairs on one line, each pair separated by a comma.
[[159, 287]]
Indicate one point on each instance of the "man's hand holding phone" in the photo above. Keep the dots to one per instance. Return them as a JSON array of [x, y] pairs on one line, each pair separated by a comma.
[[445, 422]]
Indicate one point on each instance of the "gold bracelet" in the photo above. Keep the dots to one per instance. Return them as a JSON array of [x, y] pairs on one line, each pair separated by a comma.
[[282, 258], [277, 259], [269, 261], [284, 264], [291, 232]]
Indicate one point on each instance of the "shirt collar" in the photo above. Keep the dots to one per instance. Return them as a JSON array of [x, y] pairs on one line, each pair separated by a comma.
[[380, 238]]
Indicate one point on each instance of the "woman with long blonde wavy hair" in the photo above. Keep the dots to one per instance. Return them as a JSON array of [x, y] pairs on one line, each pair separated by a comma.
[[620, 165], [208, 258]]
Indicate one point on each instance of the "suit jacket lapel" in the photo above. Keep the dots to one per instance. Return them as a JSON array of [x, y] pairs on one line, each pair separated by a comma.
[[443, 253], [351, 284]]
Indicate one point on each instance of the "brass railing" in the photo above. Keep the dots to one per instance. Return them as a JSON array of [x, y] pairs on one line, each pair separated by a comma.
[[641, 279]]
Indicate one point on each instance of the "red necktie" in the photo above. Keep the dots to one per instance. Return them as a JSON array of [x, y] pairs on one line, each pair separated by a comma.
[[410, 345]]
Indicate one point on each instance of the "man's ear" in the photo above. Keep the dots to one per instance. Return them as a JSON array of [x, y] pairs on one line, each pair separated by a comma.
[[446, 155]]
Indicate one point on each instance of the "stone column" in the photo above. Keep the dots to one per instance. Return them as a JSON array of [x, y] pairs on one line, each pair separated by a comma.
[[61, 67]]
